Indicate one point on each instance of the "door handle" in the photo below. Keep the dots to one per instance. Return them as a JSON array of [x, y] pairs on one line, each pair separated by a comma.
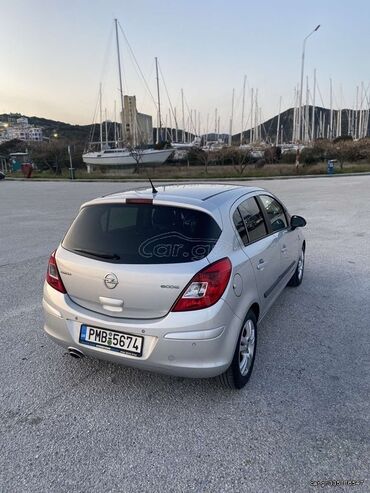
[[261, 264], [284, 249]]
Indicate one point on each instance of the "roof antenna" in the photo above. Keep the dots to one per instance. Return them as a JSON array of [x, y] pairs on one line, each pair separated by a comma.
[[154, 190]]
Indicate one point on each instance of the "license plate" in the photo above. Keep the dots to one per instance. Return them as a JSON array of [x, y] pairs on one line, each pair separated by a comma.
[[110, 339]]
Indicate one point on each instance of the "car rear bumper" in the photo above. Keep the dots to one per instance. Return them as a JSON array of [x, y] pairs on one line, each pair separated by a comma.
[[194, 344]]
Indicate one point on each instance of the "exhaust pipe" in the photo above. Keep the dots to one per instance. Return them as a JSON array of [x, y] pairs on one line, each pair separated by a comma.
[[75, 353]]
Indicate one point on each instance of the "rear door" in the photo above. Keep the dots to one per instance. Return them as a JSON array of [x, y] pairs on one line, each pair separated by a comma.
[[133, 260], [261, 247]]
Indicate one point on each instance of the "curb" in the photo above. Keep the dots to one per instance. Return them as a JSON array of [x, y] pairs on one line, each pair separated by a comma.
[[242, 178]]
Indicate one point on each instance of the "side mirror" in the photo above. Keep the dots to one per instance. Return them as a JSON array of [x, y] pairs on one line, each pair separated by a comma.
[[297, 222]]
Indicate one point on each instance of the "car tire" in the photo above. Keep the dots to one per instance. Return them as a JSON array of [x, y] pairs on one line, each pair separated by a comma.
[[240, 370], [297, 277]]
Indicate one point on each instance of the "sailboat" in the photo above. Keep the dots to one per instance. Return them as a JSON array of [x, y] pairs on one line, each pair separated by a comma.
[[126, 157], [123, 156]]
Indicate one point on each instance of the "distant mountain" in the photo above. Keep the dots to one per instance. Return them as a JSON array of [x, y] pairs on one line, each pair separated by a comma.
[[268, 130], [322, 121]]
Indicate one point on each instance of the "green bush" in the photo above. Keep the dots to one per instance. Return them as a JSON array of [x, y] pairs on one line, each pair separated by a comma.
[[311, 155], [288, 157]]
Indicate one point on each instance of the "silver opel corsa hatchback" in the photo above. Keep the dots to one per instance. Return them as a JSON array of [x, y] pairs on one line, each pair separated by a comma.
[[173, 279]]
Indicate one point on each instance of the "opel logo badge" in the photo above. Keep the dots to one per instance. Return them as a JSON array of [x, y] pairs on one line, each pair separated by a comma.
[[111, 281]]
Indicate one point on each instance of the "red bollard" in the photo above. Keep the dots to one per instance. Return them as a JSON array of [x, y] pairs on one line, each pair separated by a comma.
[[27, 169]]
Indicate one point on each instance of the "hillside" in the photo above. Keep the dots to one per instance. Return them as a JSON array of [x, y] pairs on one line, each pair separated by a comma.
[[269, 127], [64, 130], [82, 133]]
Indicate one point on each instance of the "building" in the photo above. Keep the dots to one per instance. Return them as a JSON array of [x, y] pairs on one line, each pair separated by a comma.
[[137, 127], [22, 130]]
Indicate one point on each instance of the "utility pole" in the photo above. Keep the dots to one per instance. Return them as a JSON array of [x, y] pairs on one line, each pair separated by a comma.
[[300, 133]]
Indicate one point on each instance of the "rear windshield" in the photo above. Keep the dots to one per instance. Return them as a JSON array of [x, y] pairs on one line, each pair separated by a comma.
[[142, 234]]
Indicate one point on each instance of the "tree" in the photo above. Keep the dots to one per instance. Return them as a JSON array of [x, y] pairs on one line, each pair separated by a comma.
[[199, 157], [51, 155], [137, 154], [272, 154], [238, 158], [13, 145]]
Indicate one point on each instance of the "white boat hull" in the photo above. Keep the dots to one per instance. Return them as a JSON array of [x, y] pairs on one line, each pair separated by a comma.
[[126, 158]]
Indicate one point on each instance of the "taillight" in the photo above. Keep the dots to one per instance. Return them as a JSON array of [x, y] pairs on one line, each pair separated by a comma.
[[52, 275], [206, 287]]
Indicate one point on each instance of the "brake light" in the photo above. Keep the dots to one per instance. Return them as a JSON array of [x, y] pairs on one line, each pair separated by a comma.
[[206, 287], [52, 275], [139, 201]]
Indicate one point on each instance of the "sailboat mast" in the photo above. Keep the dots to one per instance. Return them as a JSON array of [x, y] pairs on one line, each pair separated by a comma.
[[243, 105], [256, 122], [170, 122], [355, 116], [119, 74], [159, 100], [183, 116], [115, 123], [313, 129], [101, 118], [251, 136], [177, 127], [278, 125], [331, 111], [207, 128], [106, 128], [361, 112], [231, 118], [306, 112]]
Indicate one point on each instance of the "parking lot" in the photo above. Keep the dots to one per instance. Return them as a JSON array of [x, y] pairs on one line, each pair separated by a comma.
[[87, 425]]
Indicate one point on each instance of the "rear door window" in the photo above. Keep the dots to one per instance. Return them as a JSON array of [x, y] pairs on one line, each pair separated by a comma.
[[240, 227], [253, 219], [142, 234], [275, 212]]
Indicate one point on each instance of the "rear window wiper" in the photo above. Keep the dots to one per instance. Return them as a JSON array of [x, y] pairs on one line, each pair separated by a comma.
[[108, 256]]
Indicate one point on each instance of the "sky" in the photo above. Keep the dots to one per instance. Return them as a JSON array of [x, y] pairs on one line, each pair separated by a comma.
[[55, 53]]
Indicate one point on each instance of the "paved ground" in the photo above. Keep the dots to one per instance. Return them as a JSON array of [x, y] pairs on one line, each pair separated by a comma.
[[87, 425]]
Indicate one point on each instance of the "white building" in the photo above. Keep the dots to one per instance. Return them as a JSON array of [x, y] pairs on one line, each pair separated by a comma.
[[22, 130]]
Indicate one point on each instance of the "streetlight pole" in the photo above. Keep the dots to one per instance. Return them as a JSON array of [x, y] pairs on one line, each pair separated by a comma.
[[300, 133]]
